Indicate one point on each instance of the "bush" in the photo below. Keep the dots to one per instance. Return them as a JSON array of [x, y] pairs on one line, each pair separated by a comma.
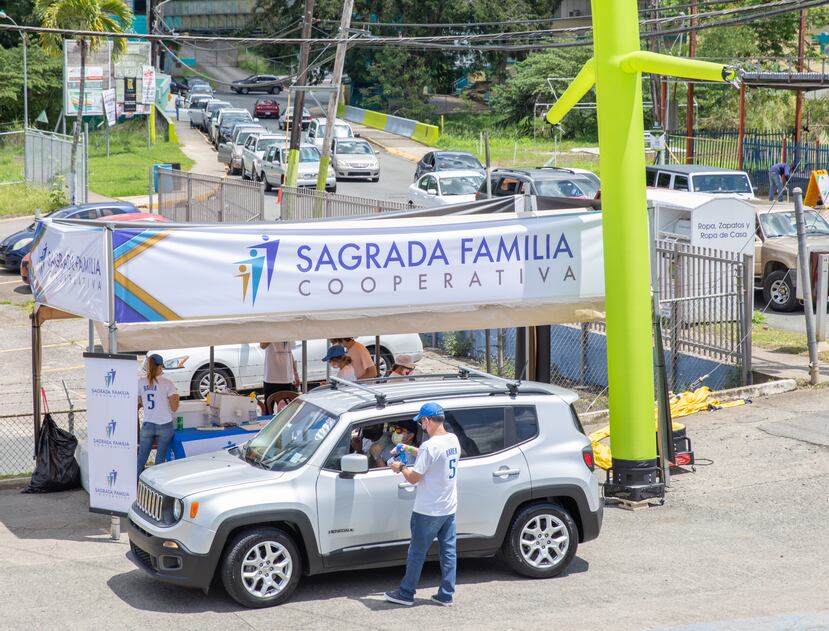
[[457, 344], [57, 193]]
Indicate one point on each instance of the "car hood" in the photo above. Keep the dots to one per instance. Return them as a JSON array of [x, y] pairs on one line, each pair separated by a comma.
[[204, 472], [309, 167], [788, 245], [455, 199], [10, 240]]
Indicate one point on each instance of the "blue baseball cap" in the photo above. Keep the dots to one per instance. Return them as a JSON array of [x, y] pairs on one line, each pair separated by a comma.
[[334, 352], [157, 359], [428, 409]]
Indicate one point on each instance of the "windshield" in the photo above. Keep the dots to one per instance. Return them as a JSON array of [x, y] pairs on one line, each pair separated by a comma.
[[446, 163], [291, 437], [228, 119], [562, 188], [306, 154], [242, 136], [340, 131], [354, 148], [722, 183], [461, 185], [265, 144], [783, 224]]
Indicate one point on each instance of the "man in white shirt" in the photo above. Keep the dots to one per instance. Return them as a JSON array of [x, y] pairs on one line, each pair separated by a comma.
[[280, 367], [433, 516]]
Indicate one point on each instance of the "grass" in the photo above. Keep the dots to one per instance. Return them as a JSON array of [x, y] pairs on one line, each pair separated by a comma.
[[779, 341], [125, 172], [256, 64], [21, 200], [11, 160]]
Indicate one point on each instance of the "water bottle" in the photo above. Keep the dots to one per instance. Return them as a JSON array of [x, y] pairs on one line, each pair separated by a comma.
[[179, 423]]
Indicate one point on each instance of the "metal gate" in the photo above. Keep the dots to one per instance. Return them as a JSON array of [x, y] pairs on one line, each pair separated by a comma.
[[206, 199], [48, 156], [307, 203]]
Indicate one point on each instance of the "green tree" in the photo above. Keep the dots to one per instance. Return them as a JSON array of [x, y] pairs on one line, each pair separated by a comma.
[[45, 83], [103, 16]]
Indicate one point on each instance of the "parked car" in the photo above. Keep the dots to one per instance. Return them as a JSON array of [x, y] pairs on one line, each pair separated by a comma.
[[259, 83], [230, 153], [775, 253], [254, 149], [545, 182], [266, 108], [203, 122], [287, 116], [698, 178], [550, 164], [447, 161], [316, 131], [274, 165], [241, 366], [227, 120], [15, 246], [194, 82], [296, 500], [355, 158], [202, 88], [197, 109], [445, 187], [177, 86]]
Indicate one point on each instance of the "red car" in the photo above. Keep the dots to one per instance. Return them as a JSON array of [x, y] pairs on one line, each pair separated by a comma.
[[266, 108], [24, 263]]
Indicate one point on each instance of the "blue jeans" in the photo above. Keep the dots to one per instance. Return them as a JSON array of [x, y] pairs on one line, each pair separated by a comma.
[[775, 186], [162, 434], [424, 531]]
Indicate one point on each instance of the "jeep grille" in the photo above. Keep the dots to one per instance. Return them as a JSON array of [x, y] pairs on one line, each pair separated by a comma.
[[149, 501]]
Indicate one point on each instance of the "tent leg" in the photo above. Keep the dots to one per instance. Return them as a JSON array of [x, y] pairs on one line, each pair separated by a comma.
[[36, 360], [304, 366], [90, 345], [542, 350], [377, 355], [212, 370]]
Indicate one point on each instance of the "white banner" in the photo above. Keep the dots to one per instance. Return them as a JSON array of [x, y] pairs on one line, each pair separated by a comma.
[[112, 430], [109, 106], [148, 85], [98, 77], [69, 269], [357, 266]]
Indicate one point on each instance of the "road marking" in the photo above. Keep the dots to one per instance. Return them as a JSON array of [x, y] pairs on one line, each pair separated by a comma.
[[28, 348], [9, 282]]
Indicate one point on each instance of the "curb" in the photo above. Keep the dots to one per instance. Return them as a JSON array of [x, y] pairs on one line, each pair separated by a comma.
[[766, 389], [395, 152], [14, 483]]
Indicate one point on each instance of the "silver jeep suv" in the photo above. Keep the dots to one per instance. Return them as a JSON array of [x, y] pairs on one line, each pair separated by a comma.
[[308, 495]]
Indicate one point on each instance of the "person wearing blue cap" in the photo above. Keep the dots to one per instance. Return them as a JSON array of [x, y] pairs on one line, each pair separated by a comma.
[[159, 398], [433, 515], [338, 357]]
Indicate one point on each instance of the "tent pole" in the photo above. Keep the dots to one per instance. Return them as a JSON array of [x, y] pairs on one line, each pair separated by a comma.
[[304, 366], [36, 358], [90, 345], [213, 374], [377, 355], [114, 522]]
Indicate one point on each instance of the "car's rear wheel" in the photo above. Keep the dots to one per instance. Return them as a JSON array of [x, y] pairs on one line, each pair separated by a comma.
[[244, 90], [261, 567], [541, 542], [778, 291], [268, 186], [200, 384]]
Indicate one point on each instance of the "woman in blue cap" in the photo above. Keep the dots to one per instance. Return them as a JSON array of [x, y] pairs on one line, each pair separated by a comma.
[[338, 357], [159, 397]]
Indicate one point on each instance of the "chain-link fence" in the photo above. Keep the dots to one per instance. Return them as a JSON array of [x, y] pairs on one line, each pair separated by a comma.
[[307, 203], [48, 156], [206, 199]]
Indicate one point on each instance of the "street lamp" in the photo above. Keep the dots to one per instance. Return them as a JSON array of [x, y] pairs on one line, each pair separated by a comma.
[[6, 16]]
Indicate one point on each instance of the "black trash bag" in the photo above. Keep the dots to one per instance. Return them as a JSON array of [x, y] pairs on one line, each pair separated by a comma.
[[56, 468]]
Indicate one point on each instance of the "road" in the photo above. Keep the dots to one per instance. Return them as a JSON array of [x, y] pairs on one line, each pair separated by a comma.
[[395, 173]]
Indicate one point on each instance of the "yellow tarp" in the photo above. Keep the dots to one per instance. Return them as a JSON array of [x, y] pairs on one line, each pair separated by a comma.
[[684, 404]]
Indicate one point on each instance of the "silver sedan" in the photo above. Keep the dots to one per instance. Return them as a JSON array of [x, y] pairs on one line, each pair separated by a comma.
[[355, 158]]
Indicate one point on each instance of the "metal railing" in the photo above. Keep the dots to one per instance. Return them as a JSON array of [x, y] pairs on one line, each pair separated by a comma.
[[48, 155], [307, 203], [186, 196]]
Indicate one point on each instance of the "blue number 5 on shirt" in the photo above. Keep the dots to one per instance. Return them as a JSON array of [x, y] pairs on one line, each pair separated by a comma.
[[453, 468], [150, 401]]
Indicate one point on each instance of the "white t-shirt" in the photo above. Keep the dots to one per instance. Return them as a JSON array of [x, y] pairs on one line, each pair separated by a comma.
[[279, 362], [347, 372], [156, 399], [437, 462]]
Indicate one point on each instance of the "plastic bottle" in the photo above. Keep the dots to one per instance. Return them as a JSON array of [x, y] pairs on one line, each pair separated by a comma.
[[252, 408], [179, 423]]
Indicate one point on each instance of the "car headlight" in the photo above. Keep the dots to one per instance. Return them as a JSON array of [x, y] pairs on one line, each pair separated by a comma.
[[175, 362], [21, 243], [178, 509]]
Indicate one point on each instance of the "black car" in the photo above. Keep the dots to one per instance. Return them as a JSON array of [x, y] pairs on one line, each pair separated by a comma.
[[258, 83], [544, 182], [447, 161]]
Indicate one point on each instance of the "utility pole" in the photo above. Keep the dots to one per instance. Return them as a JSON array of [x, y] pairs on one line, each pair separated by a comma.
[[798, 108], [334, 97], [299, 98], [689, 114]]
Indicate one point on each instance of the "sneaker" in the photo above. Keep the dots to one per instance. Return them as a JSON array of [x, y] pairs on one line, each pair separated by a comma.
[[398, 598], [442, 601]]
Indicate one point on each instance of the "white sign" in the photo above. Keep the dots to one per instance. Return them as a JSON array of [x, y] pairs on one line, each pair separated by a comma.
[[69, 269], [112, 431], [109, 106], [148, 85], [368, 266], [98, 77], [732, 232]]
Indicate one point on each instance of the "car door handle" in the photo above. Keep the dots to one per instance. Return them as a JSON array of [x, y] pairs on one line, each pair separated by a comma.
[[406, 486], [503, 473]]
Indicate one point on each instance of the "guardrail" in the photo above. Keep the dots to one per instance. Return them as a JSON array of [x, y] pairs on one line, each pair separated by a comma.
[[407, 127]]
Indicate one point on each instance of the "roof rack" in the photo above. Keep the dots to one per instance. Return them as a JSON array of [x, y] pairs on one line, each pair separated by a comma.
[[512, 385], [336, 383], [553, 168]]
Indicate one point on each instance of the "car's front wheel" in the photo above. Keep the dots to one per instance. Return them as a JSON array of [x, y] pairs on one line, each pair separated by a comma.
[[541, 541], [779, 292], [261, 567]]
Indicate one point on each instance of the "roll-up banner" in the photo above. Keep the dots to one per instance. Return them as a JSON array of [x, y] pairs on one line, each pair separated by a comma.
[[112, 431]]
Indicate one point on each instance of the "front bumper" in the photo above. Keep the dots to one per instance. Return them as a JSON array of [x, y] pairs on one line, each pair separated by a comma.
[[308, 182], [177, 566], [11, 259], [353, 172]]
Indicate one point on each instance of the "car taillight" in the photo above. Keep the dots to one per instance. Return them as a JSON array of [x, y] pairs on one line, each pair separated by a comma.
[[587, 456]]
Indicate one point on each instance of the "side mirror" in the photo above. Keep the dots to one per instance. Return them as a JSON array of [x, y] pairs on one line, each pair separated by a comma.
[[353, 464], [357, 135], [432, 191]]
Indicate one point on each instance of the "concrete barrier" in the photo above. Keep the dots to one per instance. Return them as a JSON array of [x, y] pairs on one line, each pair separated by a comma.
[[421, 132]]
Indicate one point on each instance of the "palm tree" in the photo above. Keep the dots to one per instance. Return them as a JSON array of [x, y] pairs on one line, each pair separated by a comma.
[[103, 16]]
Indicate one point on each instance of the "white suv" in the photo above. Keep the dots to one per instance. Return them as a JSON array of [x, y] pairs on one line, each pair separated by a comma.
[[297, 500], [241, 366]]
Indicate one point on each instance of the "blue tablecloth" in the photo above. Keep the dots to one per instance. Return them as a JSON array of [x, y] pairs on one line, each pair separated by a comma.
[[192, 441]]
